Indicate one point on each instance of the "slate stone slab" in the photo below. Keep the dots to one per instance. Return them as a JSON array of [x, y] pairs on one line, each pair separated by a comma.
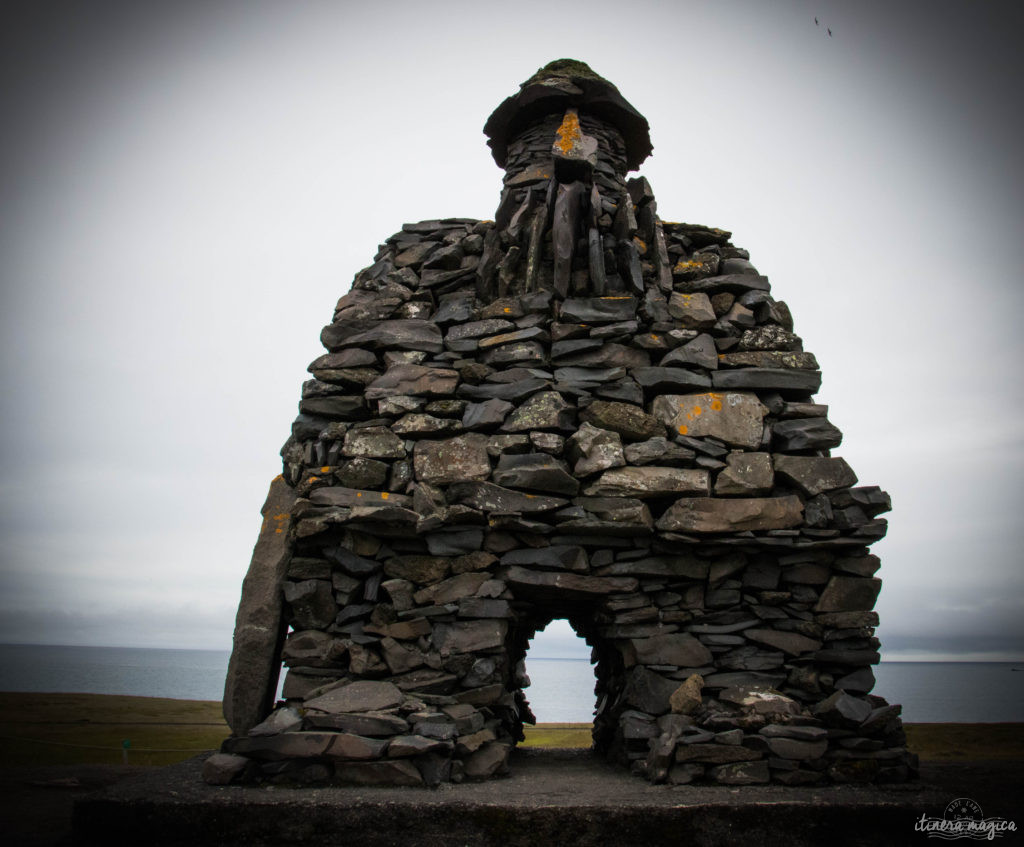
[[469, 636], [767, 379], [773, 359], [791, 643], [510, 391], [711, 514], [593, 449], [660, 379], [694, 311], [746, 473], [678, 648], [254, 666], [849, 594], [413, 380], [535, 472], [489, 497], [544, 410], [805, 434], [573, 583], [373, 442], [815, 474], [598, 310], [410, 334], [629, 421], [360, 696], [732, 283], [452, 460], [486, 415], [649, 481], [734, 417], [556, 557]]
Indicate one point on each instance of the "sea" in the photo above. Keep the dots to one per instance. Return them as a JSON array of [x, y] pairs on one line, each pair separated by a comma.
[[561, 689]]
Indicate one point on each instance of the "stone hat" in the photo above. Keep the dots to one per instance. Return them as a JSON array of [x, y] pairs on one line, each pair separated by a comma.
[[561, 84]]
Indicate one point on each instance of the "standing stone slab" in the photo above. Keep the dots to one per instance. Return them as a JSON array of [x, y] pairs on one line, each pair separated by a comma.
[[254, 666]]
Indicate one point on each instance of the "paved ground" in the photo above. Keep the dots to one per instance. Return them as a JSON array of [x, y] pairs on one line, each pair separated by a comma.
[[551, 796]]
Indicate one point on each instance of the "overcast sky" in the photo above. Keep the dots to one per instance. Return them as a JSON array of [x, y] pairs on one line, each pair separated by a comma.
[[186, 189]]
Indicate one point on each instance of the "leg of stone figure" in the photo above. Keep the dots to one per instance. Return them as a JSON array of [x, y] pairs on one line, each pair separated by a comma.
[[564, 230], [255, 663]]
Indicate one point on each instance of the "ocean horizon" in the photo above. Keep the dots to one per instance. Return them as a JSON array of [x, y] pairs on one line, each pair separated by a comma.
[[561, 689]]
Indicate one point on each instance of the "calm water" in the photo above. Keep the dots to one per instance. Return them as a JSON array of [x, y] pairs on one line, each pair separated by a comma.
[[931, 692], [181, 674], [562, 689]]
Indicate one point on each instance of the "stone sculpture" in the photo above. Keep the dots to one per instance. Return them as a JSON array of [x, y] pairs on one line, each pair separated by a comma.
[[577, 410]]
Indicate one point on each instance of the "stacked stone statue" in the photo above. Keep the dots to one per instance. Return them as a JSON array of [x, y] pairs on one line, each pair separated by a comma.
[[577, 410]]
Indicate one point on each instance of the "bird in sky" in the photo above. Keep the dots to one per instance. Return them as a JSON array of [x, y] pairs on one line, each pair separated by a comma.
[[815, 21]]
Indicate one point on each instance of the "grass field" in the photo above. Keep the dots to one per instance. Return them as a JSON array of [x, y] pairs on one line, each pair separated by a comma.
[[58, 729]]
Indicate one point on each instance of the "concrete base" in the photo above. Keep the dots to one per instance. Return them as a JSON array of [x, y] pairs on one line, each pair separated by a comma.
[[551, 797]]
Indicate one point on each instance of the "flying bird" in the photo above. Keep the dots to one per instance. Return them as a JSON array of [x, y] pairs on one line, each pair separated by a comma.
[[829, 32], [815, 21]]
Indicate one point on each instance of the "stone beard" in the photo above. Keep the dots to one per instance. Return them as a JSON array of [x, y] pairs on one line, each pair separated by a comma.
[[577, 410]]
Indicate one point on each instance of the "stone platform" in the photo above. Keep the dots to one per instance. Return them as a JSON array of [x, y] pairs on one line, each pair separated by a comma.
[[550, 797]]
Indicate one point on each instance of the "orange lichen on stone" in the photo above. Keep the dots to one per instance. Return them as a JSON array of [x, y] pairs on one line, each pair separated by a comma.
[[281, 520], [683, 428], [711, 401], [687, 265], [384, 495], [569, 133], [325, 469]]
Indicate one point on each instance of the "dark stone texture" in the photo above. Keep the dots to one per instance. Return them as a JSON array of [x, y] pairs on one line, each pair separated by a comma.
[[536, 472], [253, 668], [598, 309], [574, 410], [627, 420], [697, 514], [805, 434]]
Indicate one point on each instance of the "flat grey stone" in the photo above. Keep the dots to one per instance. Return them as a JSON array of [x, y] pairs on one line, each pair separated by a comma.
[[360, 696], [733, 417], [711, 514], [815, 474], [254, 666], [649, 481]]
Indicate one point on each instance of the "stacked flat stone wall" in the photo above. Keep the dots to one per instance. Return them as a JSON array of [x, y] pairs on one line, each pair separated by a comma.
[[609, 420]]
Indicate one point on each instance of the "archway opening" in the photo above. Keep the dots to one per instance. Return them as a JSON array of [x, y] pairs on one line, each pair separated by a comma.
[[580, 673], [558, 683]]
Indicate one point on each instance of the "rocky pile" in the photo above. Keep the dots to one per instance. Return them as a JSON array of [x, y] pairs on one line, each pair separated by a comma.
[[575, 411]]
